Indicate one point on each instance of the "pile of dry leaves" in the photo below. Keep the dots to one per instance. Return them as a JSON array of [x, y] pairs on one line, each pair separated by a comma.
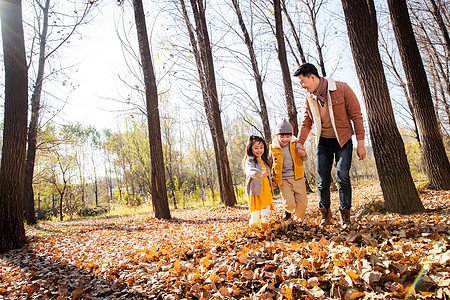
[[213, 254]]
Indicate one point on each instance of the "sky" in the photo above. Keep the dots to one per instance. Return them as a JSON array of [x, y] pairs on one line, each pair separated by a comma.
[[97, 61]]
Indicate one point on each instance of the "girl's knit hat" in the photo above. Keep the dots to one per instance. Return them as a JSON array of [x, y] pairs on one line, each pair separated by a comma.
[[284, 127]]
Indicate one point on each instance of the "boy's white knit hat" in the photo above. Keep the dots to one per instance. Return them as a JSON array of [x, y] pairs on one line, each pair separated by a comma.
[[284, 127]]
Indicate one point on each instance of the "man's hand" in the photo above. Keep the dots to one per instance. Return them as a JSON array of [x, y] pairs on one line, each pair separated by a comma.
[[301, 150], [264, 174], [361, 152]]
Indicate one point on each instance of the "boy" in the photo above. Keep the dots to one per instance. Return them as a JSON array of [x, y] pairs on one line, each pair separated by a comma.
[[287, 170]]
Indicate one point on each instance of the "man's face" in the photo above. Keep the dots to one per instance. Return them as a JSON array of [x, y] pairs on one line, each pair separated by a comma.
[[309, 83], [285, 139]]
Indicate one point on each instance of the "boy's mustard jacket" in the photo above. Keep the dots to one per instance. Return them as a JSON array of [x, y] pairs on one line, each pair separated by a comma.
[[277, 160]]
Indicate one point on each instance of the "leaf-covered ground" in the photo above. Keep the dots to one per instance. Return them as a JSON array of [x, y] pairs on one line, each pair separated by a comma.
[[213, 254]]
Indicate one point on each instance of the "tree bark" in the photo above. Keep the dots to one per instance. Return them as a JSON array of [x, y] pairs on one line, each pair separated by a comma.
[[433, 150], [159, 192], [287, 82], [436, 65], [400, 194], [256, 74], [404, 88], [203, 84], [205, 66], [438, 18], [28, 199], [12, 231]]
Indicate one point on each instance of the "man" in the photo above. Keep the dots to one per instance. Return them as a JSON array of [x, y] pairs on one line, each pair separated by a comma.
[[332, 106]]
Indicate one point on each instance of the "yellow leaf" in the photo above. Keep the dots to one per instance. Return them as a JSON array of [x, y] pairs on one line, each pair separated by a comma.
[[352, 274], [230, 274], [214, 277], [206, 262], [295, 246], [287, 292]]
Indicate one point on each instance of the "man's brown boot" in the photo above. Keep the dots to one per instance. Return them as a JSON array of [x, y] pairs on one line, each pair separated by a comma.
[[326, 216], [345, 218]]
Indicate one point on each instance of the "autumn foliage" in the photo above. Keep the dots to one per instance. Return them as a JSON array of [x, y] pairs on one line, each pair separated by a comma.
[[211, 253]]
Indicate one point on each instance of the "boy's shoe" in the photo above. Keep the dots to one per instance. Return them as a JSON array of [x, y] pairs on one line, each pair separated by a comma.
[[287, 215]]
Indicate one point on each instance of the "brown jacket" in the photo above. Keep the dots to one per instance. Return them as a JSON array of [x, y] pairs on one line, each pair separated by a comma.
[[344, 110]]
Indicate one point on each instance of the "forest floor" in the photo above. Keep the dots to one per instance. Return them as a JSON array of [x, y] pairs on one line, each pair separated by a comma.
[[212, 253]]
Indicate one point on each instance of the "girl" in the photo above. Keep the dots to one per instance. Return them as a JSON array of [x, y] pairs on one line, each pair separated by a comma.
[[259, 180]]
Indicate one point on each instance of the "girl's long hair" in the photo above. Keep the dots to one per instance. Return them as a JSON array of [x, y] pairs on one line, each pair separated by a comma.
[[249, 154]]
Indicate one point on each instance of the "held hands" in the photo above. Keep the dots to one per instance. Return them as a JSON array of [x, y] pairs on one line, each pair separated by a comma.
[[264, 174], [301, 151], [274, 185]]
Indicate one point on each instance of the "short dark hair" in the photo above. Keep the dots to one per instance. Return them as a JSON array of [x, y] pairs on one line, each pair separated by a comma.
[[306, 70]]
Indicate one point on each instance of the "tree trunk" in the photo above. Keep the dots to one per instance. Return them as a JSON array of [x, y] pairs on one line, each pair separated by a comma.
[[433, 151], [203, 84], [12, 231], [226, 184], [28, 199], [400, 194], [96, 192], [292, 111], [172, 184], [435, 63], [404, 87], [205, 67], [159, 192], [61, 197], [256, 74], [438, 18]]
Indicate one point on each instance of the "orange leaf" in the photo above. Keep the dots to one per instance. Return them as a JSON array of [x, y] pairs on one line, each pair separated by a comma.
[[242, 257], [176, 265], [224, 292], [352, 274], [77, 294], [357, 295]]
